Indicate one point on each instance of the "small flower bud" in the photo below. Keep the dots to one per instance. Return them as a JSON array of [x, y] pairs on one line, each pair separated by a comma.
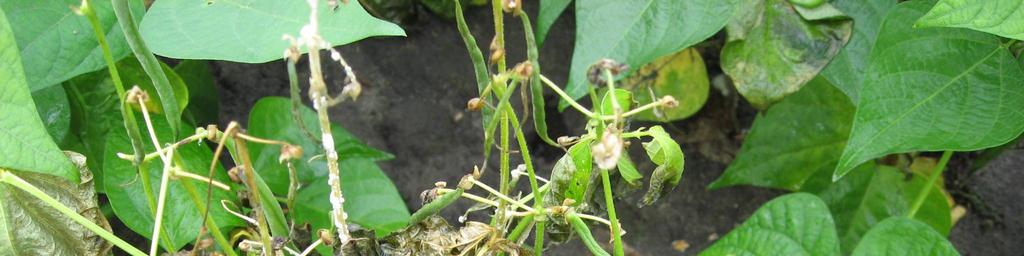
[[475, 104], [211, 132], [440, 184], [512, 6], [466, 183], [352, 90], [135, 95], [326, 237], [497, 51], [607, 152], [236, 174], [289, 152], [566, 141], [524, 69], [669, 102], [477, 173], [595, 74], [568, 202]]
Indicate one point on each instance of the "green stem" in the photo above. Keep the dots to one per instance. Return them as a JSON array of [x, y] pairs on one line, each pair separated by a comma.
[[524, 150], [499, 30], [520, 228], [584, 232], [939, 168], [211, 225], [150, 64], [16, 181], [616, 230], [435, 206], [293, 84], [505, 171], [244, 162]]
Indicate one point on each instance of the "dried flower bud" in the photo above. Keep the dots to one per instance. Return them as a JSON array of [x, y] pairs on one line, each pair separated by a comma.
[[289, 152], [669, 102], [595, 74], [568, 202], [440, 184], [352, 90], [497, 51], [477, 173], [326, 237], [211, 132], [566, 141], [466, 183], [512, 6], [203, 244], [135, 94], [236, 174], [608, 150], [524, 69], [475, 104]]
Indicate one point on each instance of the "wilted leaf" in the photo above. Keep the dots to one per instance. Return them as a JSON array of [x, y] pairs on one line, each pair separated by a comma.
[[904, 236], [934, 89], [772, 52], [28, 226], [203, 101], [638, 32], [666, 153], [846, 71], [794, 224], [56, 44], [801, 136], [1003, 18], [681, 75], [54, 111], [249, 30]]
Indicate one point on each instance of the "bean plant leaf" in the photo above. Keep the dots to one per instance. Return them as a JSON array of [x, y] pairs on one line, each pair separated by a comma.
[[583, 165], [846, 71], [182, 219], [203, 101], [56, 44], [623, 97], [801, 136], [549, 12], [1003, 18], [666, 153], [132, 74], [24, 143], [628, 170], [873, 193], [772, 52], [681, 75], [54, 111], [28, 226], [249, 30], [638, 32], [794, 224], [934, 89], [371, 199], [904, 236], [95, 112]]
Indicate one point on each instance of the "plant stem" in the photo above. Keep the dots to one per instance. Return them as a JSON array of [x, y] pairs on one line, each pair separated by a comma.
[[936, 173], [524, 150], [211, 225], [566, 97], [293, 84], [505, 172], [499, 31], [245, 163], [150, 64], [165, 177], [16, 181], [616, 230]]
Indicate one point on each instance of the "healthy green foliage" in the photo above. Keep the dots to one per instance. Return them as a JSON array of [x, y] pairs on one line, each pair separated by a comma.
[[581, 169], [681, 75], [203, 102], [873, 193], [95, 112], [794, 224], [846, 71], [132, 73], [28, 226], [54, 111], [1003, 18], [636, 33], [181, 220], [903, 236], [628, 171], [799, 137], [934, 89], [772, 51], [549, 12], [24, 143], [666, 153], [623, 97], [56, 44], [200, 29]]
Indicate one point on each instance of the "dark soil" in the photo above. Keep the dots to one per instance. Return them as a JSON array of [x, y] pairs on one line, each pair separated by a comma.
[[413, 105]]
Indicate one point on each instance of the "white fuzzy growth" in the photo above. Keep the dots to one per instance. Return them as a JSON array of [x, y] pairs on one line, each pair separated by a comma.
[[328, 140]]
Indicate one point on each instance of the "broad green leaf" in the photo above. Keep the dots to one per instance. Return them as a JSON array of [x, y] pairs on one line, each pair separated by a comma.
[[797, 138], [203, 101], [56, 44], [96, 110], [934, 89], [28, 226], [681, 75], [821, 12], [583, 165], [666, 153], [181, 220], [628, 171], [549, 12], [903, 236], [132, 74], [807, 3], [24, 143], [873, 193], [772, 52], [54, 111], [371, 200], [847, 68], [562, 174], [1003, 18], [623, 97], [638, 32], [794, 224], [250, 30]]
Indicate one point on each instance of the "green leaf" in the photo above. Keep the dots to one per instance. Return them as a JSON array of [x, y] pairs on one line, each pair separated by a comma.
[[1003, 18], [873, 193], [582, 169], [371, 200], [198, 30], [28, 226], [54, 111], [847, 68], [794, 224], [934, 89], [628, 171], [903, 236], [638, 32], [56, 44], [681, 75], [623, 97], [666, 153], [24, 143], [203, 101], [772, 52], [549, 12], [96, 110], [797, 138], [181, 220], [132, 73]]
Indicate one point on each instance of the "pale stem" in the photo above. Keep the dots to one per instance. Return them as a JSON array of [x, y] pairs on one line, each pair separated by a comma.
[[164, 178]]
